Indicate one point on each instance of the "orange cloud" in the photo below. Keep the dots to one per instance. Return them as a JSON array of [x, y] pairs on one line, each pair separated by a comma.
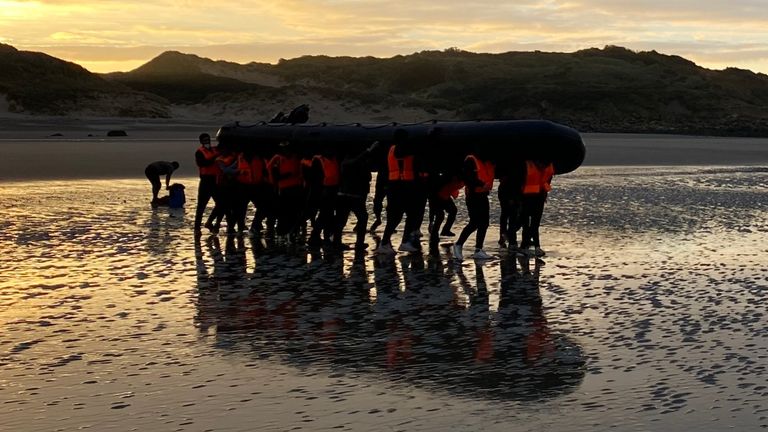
[[108, 33]]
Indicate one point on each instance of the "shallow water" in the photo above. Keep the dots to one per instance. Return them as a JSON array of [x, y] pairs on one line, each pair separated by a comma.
[[648, 314]]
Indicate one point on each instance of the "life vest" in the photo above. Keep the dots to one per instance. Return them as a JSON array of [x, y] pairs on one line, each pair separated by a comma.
[[537, 180], [400, 169], [209, 154], [289, 171], [330, 170], [484, 350], [258, 171], [450, 190], [244, 173], [226, 161], [539, 345], [485, 173]]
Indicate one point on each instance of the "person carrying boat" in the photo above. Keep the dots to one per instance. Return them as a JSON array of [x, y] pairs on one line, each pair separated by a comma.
[[354, 185], [285, 168], [403, 173], [205, 158], [228, 188], [538, 180], [326, 165], [441, 195], [511, 174], [478, 178]]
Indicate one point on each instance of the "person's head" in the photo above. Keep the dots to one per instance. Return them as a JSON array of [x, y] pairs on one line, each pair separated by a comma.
[[175, 165], [205, 139], [400, 136], [286, 148]]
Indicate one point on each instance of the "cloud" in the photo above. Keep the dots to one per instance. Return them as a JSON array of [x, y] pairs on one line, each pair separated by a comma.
[[712, 33]]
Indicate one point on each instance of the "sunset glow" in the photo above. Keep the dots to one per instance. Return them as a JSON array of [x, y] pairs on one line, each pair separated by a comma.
[[108, 35]]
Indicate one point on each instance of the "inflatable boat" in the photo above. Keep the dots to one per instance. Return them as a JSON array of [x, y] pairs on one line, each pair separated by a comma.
[[441, 141]]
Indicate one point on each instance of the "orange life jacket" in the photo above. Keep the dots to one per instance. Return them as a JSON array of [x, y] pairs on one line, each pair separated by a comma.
[[289, 171], [225, 160], [450, 190], [330, 170], [400, 169], [244, 173], [306, 169], [486, 171], [209, 155], [537, 180], [258, 171]]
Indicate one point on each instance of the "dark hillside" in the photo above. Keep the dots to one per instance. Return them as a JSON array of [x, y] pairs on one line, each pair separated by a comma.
[[40, 84], [610, 90]]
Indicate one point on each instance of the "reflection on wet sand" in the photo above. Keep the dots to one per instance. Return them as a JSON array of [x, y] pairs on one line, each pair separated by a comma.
[[655, 280], [407, 327]]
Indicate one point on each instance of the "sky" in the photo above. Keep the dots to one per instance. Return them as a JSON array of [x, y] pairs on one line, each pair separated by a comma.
[[120, 35]]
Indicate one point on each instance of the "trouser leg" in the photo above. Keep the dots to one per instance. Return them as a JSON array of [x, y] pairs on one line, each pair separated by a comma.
[[396, 206], [204, 194], [361, 214], [450, 208]]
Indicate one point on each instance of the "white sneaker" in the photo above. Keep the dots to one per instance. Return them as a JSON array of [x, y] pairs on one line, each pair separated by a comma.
[[407, 247], [481, 255], [457, 252], [538, 252], [384, 250]]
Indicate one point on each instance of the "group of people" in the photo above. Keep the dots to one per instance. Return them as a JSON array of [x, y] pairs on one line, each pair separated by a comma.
[[297, 190]]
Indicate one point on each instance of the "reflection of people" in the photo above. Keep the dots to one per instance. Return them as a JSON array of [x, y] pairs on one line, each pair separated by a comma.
[[521, 307], [478, 321], [538, 179], [153, 172]]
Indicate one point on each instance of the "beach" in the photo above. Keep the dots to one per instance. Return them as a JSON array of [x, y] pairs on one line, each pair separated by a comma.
[[647, 313]]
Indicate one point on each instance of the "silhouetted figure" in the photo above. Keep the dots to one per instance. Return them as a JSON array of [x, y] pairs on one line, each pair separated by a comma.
[[538, 179], [205, 158], [153, 172], [478, 177], [511, 176], [285, 169], [353, 194], [406, 194], [443, 191]]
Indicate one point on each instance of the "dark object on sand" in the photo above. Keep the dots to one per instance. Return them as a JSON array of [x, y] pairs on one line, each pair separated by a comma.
[[176, 197], [300, 114], [442, 142], [116, 133]]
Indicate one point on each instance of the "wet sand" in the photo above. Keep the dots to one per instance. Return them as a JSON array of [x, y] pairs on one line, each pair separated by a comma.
[[648, 314]]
